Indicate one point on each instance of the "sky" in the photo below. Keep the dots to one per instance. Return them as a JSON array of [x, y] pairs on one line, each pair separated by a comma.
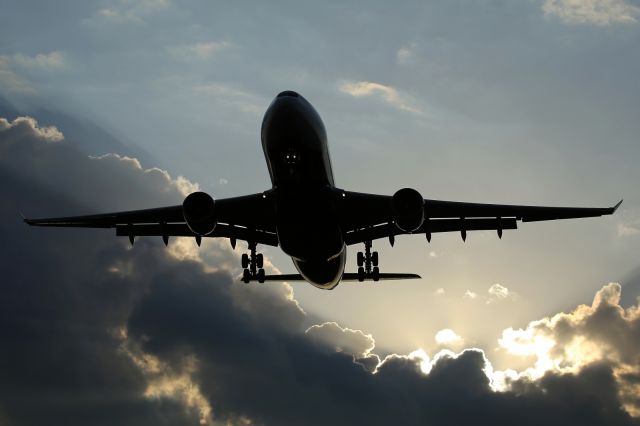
[[128, 104]]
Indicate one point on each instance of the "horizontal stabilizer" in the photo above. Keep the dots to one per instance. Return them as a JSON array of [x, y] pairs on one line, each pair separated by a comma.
[[347, 276], [352, 276], [284, 277]]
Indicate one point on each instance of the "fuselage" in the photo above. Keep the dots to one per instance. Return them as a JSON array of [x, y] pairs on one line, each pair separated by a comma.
[[294, 142]]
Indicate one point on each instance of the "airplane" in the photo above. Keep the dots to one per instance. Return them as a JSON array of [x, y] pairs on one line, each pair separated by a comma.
[[308, 216]]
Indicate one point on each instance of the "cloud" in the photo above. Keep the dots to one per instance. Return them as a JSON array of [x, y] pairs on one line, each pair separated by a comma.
[[164, 382], [198, 51], [65, 292], [405, 54], [27, 127], [10, 82], [470, 295], [386, 93], [231, 96], [346, 340], [97, 332], [568, 342], [495, 293], [629, 229], [127, 11], [160, 177], [498, 292], [13, 82], [449, 338], [596, 12], [41, 60]]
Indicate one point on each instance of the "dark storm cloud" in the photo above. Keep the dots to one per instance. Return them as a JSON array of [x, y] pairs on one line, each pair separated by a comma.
[[95, 333], [59, 361], [276, 377]]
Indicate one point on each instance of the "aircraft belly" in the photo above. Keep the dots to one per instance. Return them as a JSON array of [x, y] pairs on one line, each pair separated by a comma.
[[310, 241], [323, 274]]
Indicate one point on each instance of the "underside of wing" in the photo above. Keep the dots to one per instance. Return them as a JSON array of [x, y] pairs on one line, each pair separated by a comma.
[[171, 214], [367, 217], [448, 209], [250, 218]]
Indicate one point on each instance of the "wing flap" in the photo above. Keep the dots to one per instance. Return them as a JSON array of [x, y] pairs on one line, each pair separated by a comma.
[[430, 226], [182, 230]]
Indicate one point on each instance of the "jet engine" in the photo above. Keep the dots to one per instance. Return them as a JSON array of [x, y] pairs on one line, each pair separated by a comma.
[[199, 213], [408, 209]]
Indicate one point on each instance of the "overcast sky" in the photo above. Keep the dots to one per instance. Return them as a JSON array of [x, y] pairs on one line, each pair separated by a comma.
[[531, 101]]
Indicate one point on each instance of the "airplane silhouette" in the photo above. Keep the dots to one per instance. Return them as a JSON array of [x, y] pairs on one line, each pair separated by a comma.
[[310, 218]]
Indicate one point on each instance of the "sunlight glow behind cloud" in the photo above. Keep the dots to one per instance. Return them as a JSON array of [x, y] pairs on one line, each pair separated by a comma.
[[29, 124], [447, 336]]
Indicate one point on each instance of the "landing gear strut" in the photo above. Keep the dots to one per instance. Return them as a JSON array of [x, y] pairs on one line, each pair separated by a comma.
[[253, 265], [368, 263]]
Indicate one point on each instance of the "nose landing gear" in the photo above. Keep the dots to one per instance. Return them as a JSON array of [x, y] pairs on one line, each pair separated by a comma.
[[252, 264], [368, 263]]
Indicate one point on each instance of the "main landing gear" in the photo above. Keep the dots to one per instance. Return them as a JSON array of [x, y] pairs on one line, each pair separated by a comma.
[[253, 265], [368, 263]]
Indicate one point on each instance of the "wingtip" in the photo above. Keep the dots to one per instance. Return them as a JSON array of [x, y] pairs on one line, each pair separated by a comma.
[[24, 218], [614, 208]]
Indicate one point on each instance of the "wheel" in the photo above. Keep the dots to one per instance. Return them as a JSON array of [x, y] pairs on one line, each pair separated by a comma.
[[244, 260], [259, 260], [361, 274], [360, 258], [376, 273], [374, 258], [246, 276], [260, 275]]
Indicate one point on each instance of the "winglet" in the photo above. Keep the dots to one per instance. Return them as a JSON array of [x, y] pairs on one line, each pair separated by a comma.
[[614, 208], [24, 218]]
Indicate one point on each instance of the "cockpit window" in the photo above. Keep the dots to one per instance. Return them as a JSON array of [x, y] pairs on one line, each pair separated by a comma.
[[291, 158]]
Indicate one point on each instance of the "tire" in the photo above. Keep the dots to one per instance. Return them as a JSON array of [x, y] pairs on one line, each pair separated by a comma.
[[374, 258], [246, 276], [376, 274], [260, 275], [361, 274], [360, 259], [244, 260], [259, 261]]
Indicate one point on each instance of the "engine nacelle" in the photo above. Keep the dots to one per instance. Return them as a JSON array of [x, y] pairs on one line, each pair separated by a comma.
[[408, 209], [200, 213]]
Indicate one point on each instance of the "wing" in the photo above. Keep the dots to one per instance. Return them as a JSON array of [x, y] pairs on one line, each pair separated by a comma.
[[249, 218], [368, 217]]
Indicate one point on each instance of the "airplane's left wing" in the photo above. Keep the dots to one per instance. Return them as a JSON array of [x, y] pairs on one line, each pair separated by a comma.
[[367, 217], [249, 218]]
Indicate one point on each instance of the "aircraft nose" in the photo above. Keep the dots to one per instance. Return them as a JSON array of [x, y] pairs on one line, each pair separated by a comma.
[[288, 93]]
